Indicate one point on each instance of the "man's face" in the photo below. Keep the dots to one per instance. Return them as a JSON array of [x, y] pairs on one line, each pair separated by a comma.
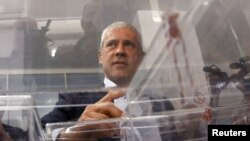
[[120, 55]]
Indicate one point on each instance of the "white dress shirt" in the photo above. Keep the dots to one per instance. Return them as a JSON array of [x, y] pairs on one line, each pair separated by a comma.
[[121, 102], [132, 133]]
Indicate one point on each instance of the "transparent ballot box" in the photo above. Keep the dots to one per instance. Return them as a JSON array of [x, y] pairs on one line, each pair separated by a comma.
[[18, 118], [146, 128], [195, 70], [188, 123]]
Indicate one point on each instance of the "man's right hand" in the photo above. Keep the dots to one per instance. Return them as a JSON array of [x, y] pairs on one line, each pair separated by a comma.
[[103, 109]]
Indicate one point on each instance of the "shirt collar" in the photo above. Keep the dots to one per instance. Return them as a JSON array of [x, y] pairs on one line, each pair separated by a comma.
[[108, 83]]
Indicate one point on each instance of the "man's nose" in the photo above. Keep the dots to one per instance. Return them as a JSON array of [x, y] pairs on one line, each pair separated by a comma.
[[120, 50]]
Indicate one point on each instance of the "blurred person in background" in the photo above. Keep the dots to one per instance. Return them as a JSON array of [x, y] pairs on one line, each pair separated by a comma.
[[84, 53], [30, 45]]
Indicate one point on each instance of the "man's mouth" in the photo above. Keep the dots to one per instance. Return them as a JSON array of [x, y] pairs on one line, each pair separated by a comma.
[[119, 63]]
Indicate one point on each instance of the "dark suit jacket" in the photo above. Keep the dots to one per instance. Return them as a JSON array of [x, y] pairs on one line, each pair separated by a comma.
[[64, 114]]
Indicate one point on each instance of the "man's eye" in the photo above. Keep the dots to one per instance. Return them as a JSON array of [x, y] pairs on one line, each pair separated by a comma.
[[111, 44], [129, 44]]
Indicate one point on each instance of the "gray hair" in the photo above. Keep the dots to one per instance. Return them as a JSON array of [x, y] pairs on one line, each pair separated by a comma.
[[120, 24]]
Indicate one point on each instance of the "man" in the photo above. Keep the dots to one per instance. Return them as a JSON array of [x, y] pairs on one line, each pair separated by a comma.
[[30, 45], [120, 55], [86, 46]]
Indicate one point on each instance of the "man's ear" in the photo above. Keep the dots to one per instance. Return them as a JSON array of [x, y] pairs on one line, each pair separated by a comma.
[[100, 56], [82, 24]]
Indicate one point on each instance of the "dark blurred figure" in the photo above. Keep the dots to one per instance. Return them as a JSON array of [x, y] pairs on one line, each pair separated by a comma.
[[84, 53], [218, 80], [9, 133], [242, 77], [21, 26], [4, 136], [30, 45]]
